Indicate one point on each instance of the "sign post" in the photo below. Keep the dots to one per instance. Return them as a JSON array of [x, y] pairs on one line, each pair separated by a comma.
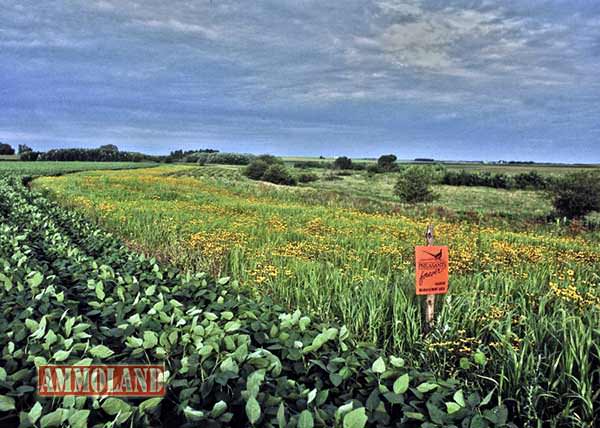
[[431, 274]]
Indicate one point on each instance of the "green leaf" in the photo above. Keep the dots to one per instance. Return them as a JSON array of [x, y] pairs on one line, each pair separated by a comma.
[[415, 415], [61, 355], [100, 290], [401, 384], [281, 421], [36, 279], [218, 409], [306, 420], [223, 281], [150, 339], [426, 387], [232, 326], [378, 366], [356, 418], [35, 412], [53, 419], [459, 398], [252, 410], [79, 419], [254, 381], [192, 414], [487, 398], [113, 405], [149, 404], [101, 351], [6, 403], [134, 342], [452, 407], [397, 362]]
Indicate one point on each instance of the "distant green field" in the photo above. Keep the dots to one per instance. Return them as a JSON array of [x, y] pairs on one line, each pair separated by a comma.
[[57, 168], [9, 157], [542, 168]]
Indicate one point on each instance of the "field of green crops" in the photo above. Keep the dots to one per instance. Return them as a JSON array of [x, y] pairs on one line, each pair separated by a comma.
[[523, 311], [33, 169], [71, 293]]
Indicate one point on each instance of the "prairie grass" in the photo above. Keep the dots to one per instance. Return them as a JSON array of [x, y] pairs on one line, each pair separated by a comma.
[[523, 307]]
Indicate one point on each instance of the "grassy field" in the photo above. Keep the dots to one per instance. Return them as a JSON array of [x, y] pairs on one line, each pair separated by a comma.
[[57, 168], [527, 301]]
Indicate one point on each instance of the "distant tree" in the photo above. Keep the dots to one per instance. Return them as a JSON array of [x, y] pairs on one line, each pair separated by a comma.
[[6, 149], [29, 156], [343, 162], [387, 163], [414, 184], [24, 148], [576, 194], [109, 148]]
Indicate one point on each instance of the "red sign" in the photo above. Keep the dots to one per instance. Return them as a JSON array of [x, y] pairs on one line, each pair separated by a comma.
[[101, 380], [432, 269]]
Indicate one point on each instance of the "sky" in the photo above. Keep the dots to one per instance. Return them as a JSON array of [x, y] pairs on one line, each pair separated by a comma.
[[463, 80]]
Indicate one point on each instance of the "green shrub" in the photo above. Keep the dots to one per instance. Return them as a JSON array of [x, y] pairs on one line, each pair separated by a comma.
[[343, 162], [373, 169], [278, 174], [256, 169], [577, 194], [307, 178], [387, 163], [414, 184], [531, 180]]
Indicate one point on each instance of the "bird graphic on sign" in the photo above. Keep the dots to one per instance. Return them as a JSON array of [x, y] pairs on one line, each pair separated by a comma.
[[437, 256]]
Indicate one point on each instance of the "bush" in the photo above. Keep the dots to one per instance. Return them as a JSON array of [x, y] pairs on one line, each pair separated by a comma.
[[414, 184], [530, 180], [278, 174], [269, 168], [256, 169], [387, 163], [307, 178], [343, 162], [373, 169], [577, 194]]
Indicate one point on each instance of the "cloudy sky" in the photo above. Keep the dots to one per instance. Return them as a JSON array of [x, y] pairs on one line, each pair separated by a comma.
[[442, 79]]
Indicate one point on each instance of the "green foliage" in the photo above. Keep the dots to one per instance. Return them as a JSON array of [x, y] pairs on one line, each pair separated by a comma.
[[343, 162], [6, 149], [577, 194], [256, 169], [269, 168], [278, 174], [103, 154], [209, 157], [307, 178], [414, 184], [232, 361], [387, 163]]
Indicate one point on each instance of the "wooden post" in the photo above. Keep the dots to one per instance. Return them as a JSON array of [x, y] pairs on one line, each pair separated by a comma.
[[430, 299]]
